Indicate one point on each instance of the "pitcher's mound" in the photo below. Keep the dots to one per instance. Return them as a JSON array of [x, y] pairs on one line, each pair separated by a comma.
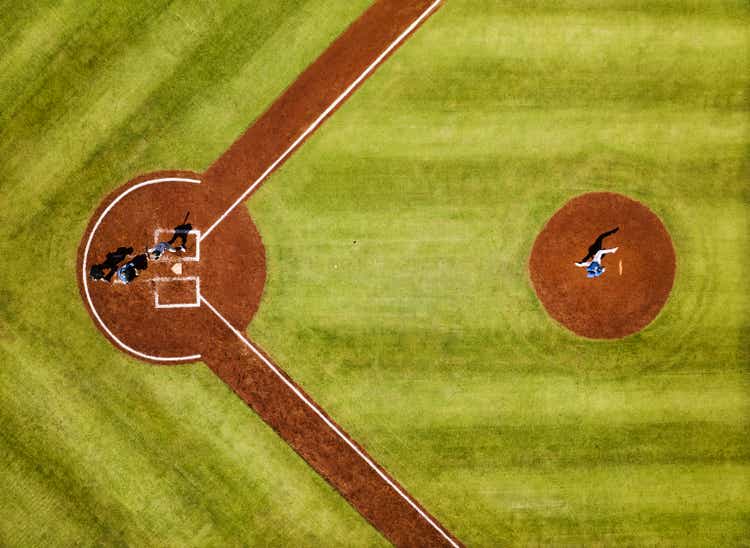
[[637, 278]]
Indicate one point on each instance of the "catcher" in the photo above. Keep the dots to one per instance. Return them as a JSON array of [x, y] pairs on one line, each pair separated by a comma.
[[129, 271], [114, 258]]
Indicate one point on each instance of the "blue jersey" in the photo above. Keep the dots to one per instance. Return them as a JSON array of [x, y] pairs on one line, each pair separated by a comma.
[[159, 249], [127, 273], [594, 270]]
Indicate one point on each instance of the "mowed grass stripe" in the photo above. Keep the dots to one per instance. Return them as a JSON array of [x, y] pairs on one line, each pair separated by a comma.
[[522, 55], [113, 95], [57, 50], [677, 138], [31, 38], [397, 243], [640, 505], [482, 396]]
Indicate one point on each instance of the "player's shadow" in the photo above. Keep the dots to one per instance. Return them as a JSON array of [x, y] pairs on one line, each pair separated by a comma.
[[111, 263], [598, 244]]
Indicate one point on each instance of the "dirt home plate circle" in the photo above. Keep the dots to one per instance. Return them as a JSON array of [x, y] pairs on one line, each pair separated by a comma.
[[158, 317], [636, 279], [195, 304]]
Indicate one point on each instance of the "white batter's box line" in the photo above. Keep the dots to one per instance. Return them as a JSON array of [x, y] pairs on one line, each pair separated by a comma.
[[197, 284], [169, 257]]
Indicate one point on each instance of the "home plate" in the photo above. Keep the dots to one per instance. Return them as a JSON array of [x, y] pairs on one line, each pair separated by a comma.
[[177, 268]]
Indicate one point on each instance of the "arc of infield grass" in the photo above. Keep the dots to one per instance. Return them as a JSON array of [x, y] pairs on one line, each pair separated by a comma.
[[232, 164]]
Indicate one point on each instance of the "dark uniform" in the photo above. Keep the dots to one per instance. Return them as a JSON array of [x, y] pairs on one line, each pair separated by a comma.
[[113, 259], [129, 271]]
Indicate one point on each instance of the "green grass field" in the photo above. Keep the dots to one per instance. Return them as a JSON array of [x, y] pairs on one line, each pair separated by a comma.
[[424, 338]]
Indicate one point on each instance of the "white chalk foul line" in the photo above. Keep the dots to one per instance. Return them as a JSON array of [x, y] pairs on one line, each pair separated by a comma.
[[325, 113], [86, 278], [328, 423]]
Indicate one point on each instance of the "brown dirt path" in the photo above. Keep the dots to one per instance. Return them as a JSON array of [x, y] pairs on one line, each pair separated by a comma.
[[312, 433], [291, 115], [232, 273], [617, 303]]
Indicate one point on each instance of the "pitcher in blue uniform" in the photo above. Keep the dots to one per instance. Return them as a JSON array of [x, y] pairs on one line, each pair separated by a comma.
[[594, 267]]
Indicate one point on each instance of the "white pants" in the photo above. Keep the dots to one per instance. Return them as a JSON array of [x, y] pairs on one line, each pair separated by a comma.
[[601, 253], [598, 257]]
